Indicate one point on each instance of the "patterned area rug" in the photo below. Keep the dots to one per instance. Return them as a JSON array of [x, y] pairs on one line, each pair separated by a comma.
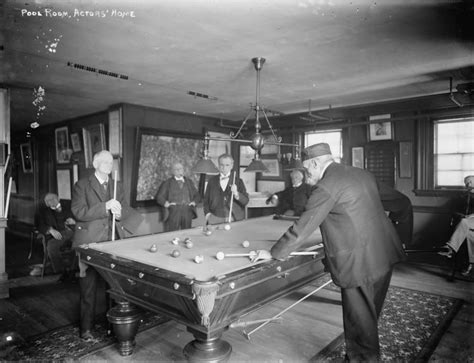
[[410, 326], [64, 344]]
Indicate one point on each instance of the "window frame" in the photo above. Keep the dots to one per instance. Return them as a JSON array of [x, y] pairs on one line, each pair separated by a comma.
[[425, 161]]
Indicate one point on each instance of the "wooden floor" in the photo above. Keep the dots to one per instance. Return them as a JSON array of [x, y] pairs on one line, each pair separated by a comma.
[[299, 336]]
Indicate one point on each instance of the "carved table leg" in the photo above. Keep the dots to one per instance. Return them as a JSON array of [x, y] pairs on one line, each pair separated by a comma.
[[207, 348], [125, 319]]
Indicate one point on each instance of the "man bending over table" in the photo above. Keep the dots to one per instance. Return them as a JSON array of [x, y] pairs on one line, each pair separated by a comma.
[[360, 243]]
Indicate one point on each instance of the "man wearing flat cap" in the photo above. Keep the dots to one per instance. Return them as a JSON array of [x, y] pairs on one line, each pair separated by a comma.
[[361, 244]]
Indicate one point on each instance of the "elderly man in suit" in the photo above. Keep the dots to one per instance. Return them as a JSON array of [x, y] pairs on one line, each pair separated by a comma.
[[360, 242], [221, 190], [57, 224], [292, 200], [93, 204], [178, 196]]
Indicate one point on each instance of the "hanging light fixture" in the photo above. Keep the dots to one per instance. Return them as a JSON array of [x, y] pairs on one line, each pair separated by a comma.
[[205, 165], [256, 141], [296, 163]]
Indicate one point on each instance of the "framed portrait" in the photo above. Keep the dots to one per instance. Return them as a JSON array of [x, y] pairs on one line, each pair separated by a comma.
[[274, 169], [380, 131], [94, 141], [63, 152], [156, 152], [115, 132], [358, 157], [76, 142], [26, 158]]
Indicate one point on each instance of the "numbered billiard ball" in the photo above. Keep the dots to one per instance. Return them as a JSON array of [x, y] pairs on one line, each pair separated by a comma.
[[175, 253], [227, 227], [175, 241], [208, 232], [153, 248], [198, 259], [189, 244], [245, 244]]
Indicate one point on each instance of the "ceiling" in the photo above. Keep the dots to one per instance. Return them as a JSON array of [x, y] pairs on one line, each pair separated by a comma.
[[319, 53]]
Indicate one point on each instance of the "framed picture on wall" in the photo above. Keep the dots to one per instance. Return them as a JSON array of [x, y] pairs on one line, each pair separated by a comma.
[[26, 158], [358, 157], [380, 131], [94, 141], [63, 152], [274, 169], [76, 142]]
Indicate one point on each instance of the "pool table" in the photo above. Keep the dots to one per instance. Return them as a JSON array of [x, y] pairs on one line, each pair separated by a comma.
[[207, 296]]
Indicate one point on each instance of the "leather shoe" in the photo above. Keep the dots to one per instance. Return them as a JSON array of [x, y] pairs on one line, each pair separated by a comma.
[[87, 336]]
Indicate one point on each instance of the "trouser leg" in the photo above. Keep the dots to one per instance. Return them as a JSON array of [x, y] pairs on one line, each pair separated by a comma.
[[361, 307], [459, 235], [88, 289]]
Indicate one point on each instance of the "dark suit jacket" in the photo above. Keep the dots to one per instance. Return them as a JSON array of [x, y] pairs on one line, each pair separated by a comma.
[[217, 201], [360, 242], [93, 221], [163, 195], [293, 198], [52, 218]]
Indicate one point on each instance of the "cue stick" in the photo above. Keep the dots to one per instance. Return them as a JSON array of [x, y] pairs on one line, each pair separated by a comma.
[[5, 214], [239, 323], [113, 214], [231, 201], [247, 335]]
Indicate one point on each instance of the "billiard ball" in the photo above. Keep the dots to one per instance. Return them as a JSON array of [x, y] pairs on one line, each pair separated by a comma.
[[227, 227], [153, 248], [187, 239], [245, 244], [220, 256], [175, 241], [198, 259], [189, 244], [208, 232], [175, 253]]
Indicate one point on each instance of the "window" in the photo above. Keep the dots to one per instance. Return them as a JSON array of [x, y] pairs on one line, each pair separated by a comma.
[[453, 151], [332, 137]]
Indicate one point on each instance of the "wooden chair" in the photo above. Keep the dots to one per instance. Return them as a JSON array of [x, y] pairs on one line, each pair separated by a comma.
[[37, 237]]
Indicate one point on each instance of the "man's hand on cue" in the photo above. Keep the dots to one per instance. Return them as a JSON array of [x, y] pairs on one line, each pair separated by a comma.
[[262, 255]]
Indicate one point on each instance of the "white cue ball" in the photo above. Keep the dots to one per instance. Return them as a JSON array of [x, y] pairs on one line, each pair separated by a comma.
[[198, 259], [245, 244], [227, 227], [220, 256], [153, 248]]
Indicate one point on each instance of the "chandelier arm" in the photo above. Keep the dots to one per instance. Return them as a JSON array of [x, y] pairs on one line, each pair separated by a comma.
[[230, 139], [234, 135], [277, 139]]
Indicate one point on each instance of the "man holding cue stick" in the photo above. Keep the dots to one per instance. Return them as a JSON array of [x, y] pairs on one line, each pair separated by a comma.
[[225, 198], [360, 243]]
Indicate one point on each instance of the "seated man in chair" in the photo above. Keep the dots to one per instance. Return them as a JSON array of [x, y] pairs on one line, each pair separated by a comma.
[[292, 200], [56, 223], [464, 231]]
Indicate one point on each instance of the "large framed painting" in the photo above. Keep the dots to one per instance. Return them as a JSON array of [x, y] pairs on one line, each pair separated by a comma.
[[156, 152]]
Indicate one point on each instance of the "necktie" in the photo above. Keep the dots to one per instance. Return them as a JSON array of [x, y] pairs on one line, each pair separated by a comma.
[[104, 185]]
